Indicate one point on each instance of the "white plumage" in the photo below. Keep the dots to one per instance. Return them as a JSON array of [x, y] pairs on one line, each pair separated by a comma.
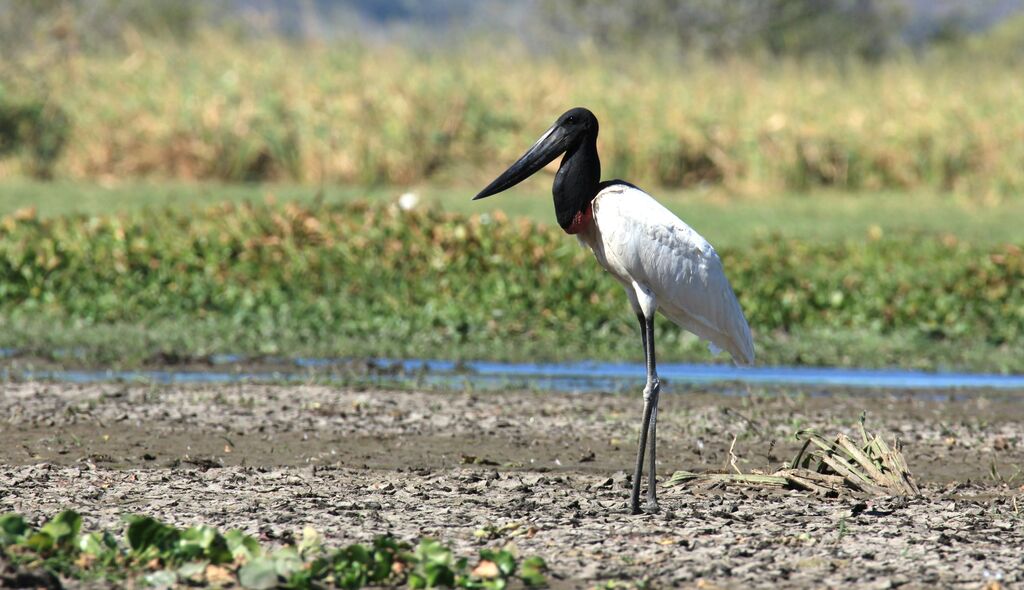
[[664, 264]]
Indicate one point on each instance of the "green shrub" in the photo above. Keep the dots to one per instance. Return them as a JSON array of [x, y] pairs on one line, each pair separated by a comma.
[[158, 554], [377, 280]]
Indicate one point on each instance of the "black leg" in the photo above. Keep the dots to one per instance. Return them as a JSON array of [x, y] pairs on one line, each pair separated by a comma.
[[652, 437], [653, 392], [638, 472], [650, 407]]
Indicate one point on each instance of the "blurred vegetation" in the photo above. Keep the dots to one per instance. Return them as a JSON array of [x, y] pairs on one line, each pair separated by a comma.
[[376, 280], [72, 26], [167, 96], [817, 216], [34, 130], [151, 553], [218, 109], [865, 29]]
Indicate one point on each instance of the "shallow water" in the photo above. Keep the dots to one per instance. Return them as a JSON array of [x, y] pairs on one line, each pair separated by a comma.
[[578, 376]]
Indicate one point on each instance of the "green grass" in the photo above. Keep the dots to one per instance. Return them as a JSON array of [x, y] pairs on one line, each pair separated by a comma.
[[72, 343], [368, 280], [727, 221], [63, 197], [151, 553]]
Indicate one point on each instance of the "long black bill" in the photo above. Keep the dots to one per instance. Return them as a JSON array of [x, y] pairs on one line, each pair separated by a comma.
[[550, 145]]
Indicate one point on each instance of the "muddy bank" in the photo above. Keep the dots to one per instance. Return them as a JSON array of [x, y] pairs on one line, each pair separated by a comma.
[[545, 471]]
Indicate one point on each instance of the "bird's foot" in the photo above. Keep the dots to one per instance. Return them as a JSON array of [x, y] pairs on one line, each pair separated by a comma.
[[651, 507]]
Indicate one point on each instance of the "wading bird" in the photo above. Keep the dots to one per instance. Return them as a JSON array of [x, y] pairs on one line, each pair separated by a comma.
[[662, 262]]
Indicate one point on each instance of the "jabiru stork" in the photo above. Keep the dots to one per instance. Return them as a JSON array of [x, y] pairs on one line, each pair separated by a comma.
[[660, 260]]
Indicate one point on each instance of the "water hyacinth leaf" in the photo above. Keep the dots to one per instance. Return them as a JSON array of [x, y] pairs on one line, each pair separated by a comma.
[[147, 533], [503, 560], [64, 527], [430, 551], [190, 569], [161, 579], [40, 542], [241, 545], [12, 528], [301, 579], [350, 575], [532, 571], [439, 575], [259, 573], [354, 566], [317, 569], [357, 554], [97, 544], [287, 560], [166, 556], [387, 554], [506, 562], [312, 542], [204, 541], [433, 565]]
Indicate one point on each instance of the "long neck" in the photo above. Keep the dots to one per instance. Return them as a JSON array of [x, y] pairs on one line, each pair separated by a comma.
[[576, 181]]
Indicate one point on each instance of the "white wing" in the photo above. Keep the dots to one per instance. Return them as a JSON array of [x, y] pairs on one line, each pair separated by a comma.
[[641, 242]]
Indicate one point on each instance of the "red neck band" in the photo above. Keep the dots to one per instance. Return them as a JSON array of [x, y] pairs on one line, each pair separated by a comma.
[[581, 220]]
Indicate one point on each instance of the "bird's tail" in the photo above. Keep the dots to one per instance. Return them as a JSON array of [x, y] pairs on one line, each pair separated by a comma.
[[742, 350], [737, 340]]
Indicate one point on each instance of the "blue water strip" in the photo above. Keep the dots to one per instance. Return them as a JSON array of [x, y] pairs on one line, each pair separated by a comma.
[[577, 376]]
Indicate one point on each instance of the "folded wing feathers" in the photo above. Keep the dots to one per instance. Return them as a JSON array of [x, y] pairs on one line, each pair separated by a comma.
[[653, 246]]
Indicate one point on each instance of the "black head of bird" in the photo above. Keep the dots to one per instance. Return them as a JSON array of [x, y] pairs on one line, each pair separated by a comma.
[[579, 176]]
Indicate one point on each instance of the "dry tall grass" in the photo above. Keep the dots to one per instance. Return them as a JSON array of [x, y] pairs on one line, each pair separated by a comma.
[[219, 109]]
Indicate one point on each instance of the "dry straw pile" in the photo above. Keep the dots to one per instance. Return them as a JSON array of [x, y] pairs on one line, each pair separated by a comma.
[[825, 467]]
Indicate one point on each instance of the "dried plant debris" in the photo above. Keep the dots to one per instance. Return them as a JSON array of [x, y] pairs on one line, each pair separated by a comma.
[[826, 467]]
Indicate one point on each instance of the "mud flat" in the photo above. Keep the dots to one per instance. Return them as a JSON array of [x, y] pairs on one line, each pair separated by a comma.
[[544, 471]]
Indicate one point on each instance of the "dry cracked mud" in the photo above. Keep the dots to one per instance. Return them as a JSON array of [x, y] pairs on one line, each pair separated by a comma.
[[544, 471]]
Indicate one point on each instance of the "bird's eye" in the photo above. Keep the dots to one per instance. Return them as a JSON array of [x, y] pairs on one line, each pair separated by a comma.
[[571, 119]]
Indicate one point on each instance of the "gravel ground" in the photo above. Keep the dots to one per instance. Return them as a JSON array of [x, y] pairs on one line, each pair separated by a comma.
[[546, 472]]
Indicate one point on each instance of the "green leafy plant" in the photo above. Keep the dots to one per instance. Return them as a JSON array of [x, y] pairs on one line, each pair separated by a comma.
[[161, 554], [375, 280]]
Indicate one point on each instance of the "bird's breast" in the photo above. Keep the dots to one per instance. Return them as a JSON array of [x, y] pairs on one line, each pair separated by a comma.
[[606, 254]]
